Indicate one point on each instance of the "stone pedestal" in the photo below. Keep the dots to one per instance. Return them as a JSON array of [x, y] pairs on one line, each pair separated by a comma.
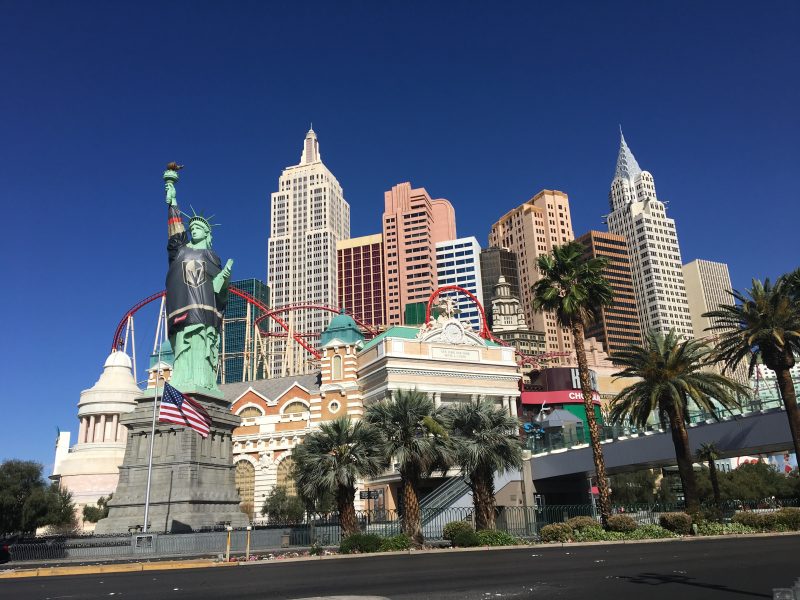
[[192, 482]]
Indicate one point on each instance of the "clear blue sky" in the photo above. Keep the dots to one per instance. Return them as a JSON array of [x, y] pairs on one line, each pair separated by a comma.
[[481, 103]]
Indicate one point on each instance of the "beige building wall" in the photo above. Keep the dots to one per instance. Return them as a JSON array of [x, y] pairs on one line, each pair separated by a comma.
[[707, 286], [530, 230]]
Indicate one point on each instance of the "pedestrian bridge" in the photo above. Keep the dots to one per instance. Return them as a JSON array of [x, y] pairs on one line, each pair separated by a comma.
[[558, 465]]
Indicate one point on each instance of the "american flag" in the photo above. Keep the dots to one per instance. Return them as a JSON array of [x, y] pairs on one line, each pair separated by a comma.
[[182, 410]]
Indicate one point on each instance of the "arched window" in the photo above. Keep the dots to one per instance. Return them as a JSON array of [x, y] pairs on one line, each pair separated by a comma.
[[246, 486], [337, 367], [285, 478], [250, 411], [295, 408]]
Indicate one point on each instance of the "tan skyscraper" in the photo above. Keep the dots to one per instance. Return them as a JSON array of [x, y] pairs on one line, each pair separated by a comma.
[[531, 230], [641, 218], [617, 326], [412, 224], [308, 216], [707, 286]]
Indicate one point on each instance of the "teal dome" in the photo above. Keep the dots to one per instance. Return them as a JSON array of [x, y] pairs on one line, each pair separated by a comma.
[[167, 354], [343, 328]]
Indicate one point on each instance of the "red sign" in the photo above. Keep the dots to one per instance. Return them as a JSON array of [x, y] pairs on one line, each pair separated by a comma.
[[557, 397]]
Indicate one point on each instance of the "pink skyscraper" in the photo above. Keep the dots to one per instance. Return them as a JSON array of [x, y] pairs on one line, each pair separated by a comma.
[[412, 225]]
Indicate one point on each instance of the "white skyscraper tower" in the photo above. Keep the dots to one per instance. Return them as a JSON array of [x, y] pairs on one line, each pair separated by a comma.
[[655, 256], [308, 215], [458, 262]]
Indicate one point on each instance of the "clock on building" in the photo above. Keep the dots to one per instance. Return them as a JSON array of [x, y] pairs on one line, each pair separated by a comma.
[[453, 333]]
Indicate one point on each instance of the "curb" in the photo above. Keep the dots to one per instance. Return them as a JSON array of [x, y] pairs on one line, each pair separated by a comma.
[[208, 563]]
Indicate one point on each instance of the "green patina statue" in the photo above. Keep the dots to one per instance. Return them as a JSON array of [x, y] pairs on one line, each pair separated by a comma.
[[197, 292]]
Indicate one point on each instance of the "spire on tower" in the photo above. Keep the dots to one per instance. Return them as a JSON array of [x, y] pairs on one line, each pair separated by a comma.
[[627, 167], [310, 148]]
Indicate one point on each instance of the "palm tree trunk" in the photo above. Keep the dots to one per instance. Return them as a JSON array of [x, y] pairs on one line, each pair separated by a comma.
[[591, 421], [411, 513], [347, 511], [790, 402], [483, 499], [680, 439], [712, 473]]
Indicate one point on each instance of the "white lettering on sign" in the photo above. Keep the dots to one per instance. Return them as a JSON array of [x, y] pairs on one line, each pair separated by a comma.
[[453, 354], [576, 379], [579, 396]]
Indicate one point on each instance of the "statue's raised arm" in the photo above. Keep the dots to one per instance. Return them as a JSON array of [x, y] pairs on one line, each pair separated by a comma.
[[175, 228]]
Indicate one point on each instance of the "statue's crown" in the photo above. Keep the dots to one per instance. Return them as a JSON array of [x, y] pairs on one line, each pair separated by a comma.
[[198, 218]]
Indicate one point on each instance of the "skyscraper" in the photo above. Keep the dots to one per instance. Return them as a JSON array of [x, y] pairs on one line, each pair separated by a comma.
[[496, 263], [360, 278], [458, 263], [509, 321], [656, 267], [308, 215], [707, 287], [412, 224], [616, 326], [242, 346], [530, 230]]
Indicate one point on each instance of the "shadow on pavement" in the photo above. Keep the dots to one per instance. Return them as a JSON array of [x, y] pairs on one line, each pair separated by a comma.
[[663, 579]]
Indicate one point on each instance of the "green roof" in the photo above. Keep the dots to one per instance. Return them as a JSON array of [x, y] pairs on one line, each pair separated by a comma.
[[405, 333], [343, 328]]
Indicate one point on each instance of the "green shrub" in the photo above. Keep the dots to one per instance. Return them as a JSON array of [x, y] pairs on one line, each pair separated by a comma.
[[557, 532], [650, 532], [590, 534], [789, 518], [580, 523], [676, 522], [360, 543], [710, 528], [737, 528], [395, 543], [316, 549], [757, 521], [622, 523], [454, 527], [493, 537], [466, 538], [711, 514]]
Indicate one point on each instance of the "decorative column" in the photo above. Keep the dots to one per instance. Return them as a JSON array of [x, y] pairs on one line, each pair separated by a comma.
[[90, 437], [437, 399], [82, 431], [102, 428], [115, 428]]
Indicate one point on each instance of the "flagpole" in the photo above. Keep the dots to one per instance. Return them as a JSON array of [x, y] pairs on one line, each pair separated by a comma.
[[162, 325]]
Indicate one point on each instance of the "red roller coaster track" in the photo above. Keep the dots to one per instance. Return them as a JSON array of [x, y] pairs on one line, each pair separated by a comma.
[[268, 313], [272, 313]]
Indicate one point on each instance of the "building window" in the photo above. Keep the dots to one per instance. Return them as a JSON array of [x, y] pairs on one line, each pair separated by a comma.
[[295, 408], [285, 478], [250, 411], [336, 365], [245, 486]]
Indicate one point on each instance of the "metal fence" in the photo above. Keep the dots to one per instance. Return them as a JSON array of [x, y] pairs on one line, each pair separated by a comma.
[[325, 529]]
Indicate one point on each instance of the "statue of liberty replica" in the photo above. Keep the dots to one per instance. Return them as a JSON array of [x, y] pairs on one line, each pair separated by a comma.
[[197, 292], [173, 478]]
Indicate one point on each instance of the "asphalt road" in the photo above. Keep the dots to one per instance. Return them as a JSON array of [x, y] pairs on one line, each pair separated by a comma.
[[703, 569]]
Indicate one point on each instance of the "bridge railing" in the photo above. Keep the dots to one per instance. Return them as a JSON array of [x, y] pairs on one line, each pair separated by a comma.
[[540, 441]]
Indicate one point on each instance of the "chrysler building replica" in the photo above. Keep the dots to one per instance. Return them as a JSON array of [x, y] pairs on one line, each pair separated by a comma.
[[308, 215], [656, 266]]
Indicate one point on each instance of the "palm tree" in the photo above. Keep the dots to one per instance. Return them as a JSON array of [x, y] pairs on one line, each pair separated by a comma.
[[416, 440], [710, 453], [485, 441], [671, 373], [574, 288], [764, 324], [333, 459]]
